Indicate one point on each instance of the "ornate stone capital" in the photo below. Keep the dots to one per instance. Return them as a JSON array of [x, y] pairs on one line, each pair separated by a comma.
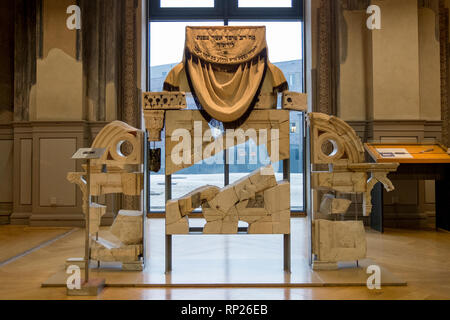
[[154, 123]]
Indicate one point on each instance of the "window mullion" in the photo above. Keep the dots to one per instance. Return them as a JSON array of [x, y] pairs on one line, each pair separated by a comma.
[[226, 167]]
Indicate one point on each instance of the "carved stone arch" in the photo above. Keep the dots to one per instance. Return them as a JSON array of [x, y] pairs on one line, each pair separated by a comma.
[[347, 147], [111, 137]]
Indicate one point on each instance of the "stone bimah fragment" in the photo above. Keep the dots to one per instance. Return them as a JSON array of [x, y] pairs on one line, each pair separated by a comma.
[[118, 171], [339, 169], [257, 199]]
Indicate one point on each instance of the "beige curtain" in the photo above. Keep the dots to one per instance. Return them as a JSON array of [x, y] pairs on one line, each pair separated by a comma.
[[225, 96]]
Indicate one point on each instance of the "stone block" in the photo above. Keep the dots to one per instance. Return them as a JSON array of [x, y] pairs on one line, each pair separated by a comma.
[[278, 198], [263, 178], [173, 214], [331, 205], [261, 228], [266, 101], [96, 213], [224, 200], [127, 227], [229, 227], [336, 241], [213, 227], [295, 101], [179, 227], [164, 100], [103, 250]]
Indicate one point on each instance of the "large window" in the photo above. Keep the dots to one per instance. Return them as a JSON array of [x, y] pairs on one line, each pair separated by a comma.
[[283, 21]]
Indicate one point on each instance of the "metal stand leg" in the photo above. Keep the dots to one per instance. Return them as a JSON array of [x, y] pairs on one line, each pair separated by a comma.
[[287, 252], [168, 253], [168, 237], [87, 253]]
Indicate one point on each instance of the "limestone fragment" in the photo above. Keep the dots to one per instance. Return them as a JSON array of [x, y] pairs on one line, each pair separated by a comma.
[[128, 227]]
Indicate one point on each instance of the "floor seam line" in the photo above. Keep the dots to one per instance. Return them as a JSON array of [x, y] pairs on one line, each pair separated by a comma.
[[39, 246]]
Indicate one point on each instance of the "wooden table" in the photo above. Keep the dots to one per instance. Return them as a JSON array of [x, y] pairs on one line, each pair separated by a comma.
[[417, 162]]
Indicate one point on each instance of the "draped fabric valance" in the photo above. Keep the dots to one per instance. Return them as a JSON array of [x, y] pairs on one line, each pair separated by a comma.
[[225, 68]]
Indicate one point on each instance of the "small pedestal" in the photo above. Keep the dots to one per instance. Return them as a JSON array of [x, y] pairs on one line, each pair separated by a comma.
[[325, 265], [79, 262], [91, 288], [133, 266]]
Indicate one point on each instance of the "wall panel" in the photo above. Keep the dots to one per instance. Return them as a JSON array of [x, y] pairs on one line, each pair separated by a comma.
[[54, 189], [26, 161]]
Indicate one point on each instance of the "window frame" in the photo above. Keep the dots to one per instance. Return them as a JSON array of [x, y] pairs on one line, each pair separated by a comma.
[[225, 10], [228, 10]]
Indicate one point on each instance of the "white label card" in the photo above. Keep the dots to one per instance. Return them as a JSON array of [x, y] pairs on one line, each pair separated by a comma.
[[394, 153]]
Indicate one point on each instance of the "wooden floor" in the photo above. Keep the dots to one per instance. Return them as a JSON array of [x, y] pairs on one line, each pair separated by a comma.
[[228, 261], [15, 240], [422, 258]]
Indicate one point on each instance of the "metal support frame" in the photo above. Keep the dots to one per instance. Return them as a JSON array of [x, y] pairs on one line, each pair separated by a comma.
[[307, 184], [168, 244], [226, 169], [146, 195], [286, 237], [87, 253]]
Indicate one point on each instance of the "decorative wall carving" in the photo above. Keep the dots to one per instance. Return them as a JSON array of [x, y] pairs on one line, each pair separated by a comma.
[[295, 101], [131, 107]]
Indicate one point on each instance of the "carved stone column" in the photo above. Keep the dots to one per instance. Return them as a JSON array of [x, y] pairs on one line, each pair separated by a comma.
[[130, 103], [444, 41]]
